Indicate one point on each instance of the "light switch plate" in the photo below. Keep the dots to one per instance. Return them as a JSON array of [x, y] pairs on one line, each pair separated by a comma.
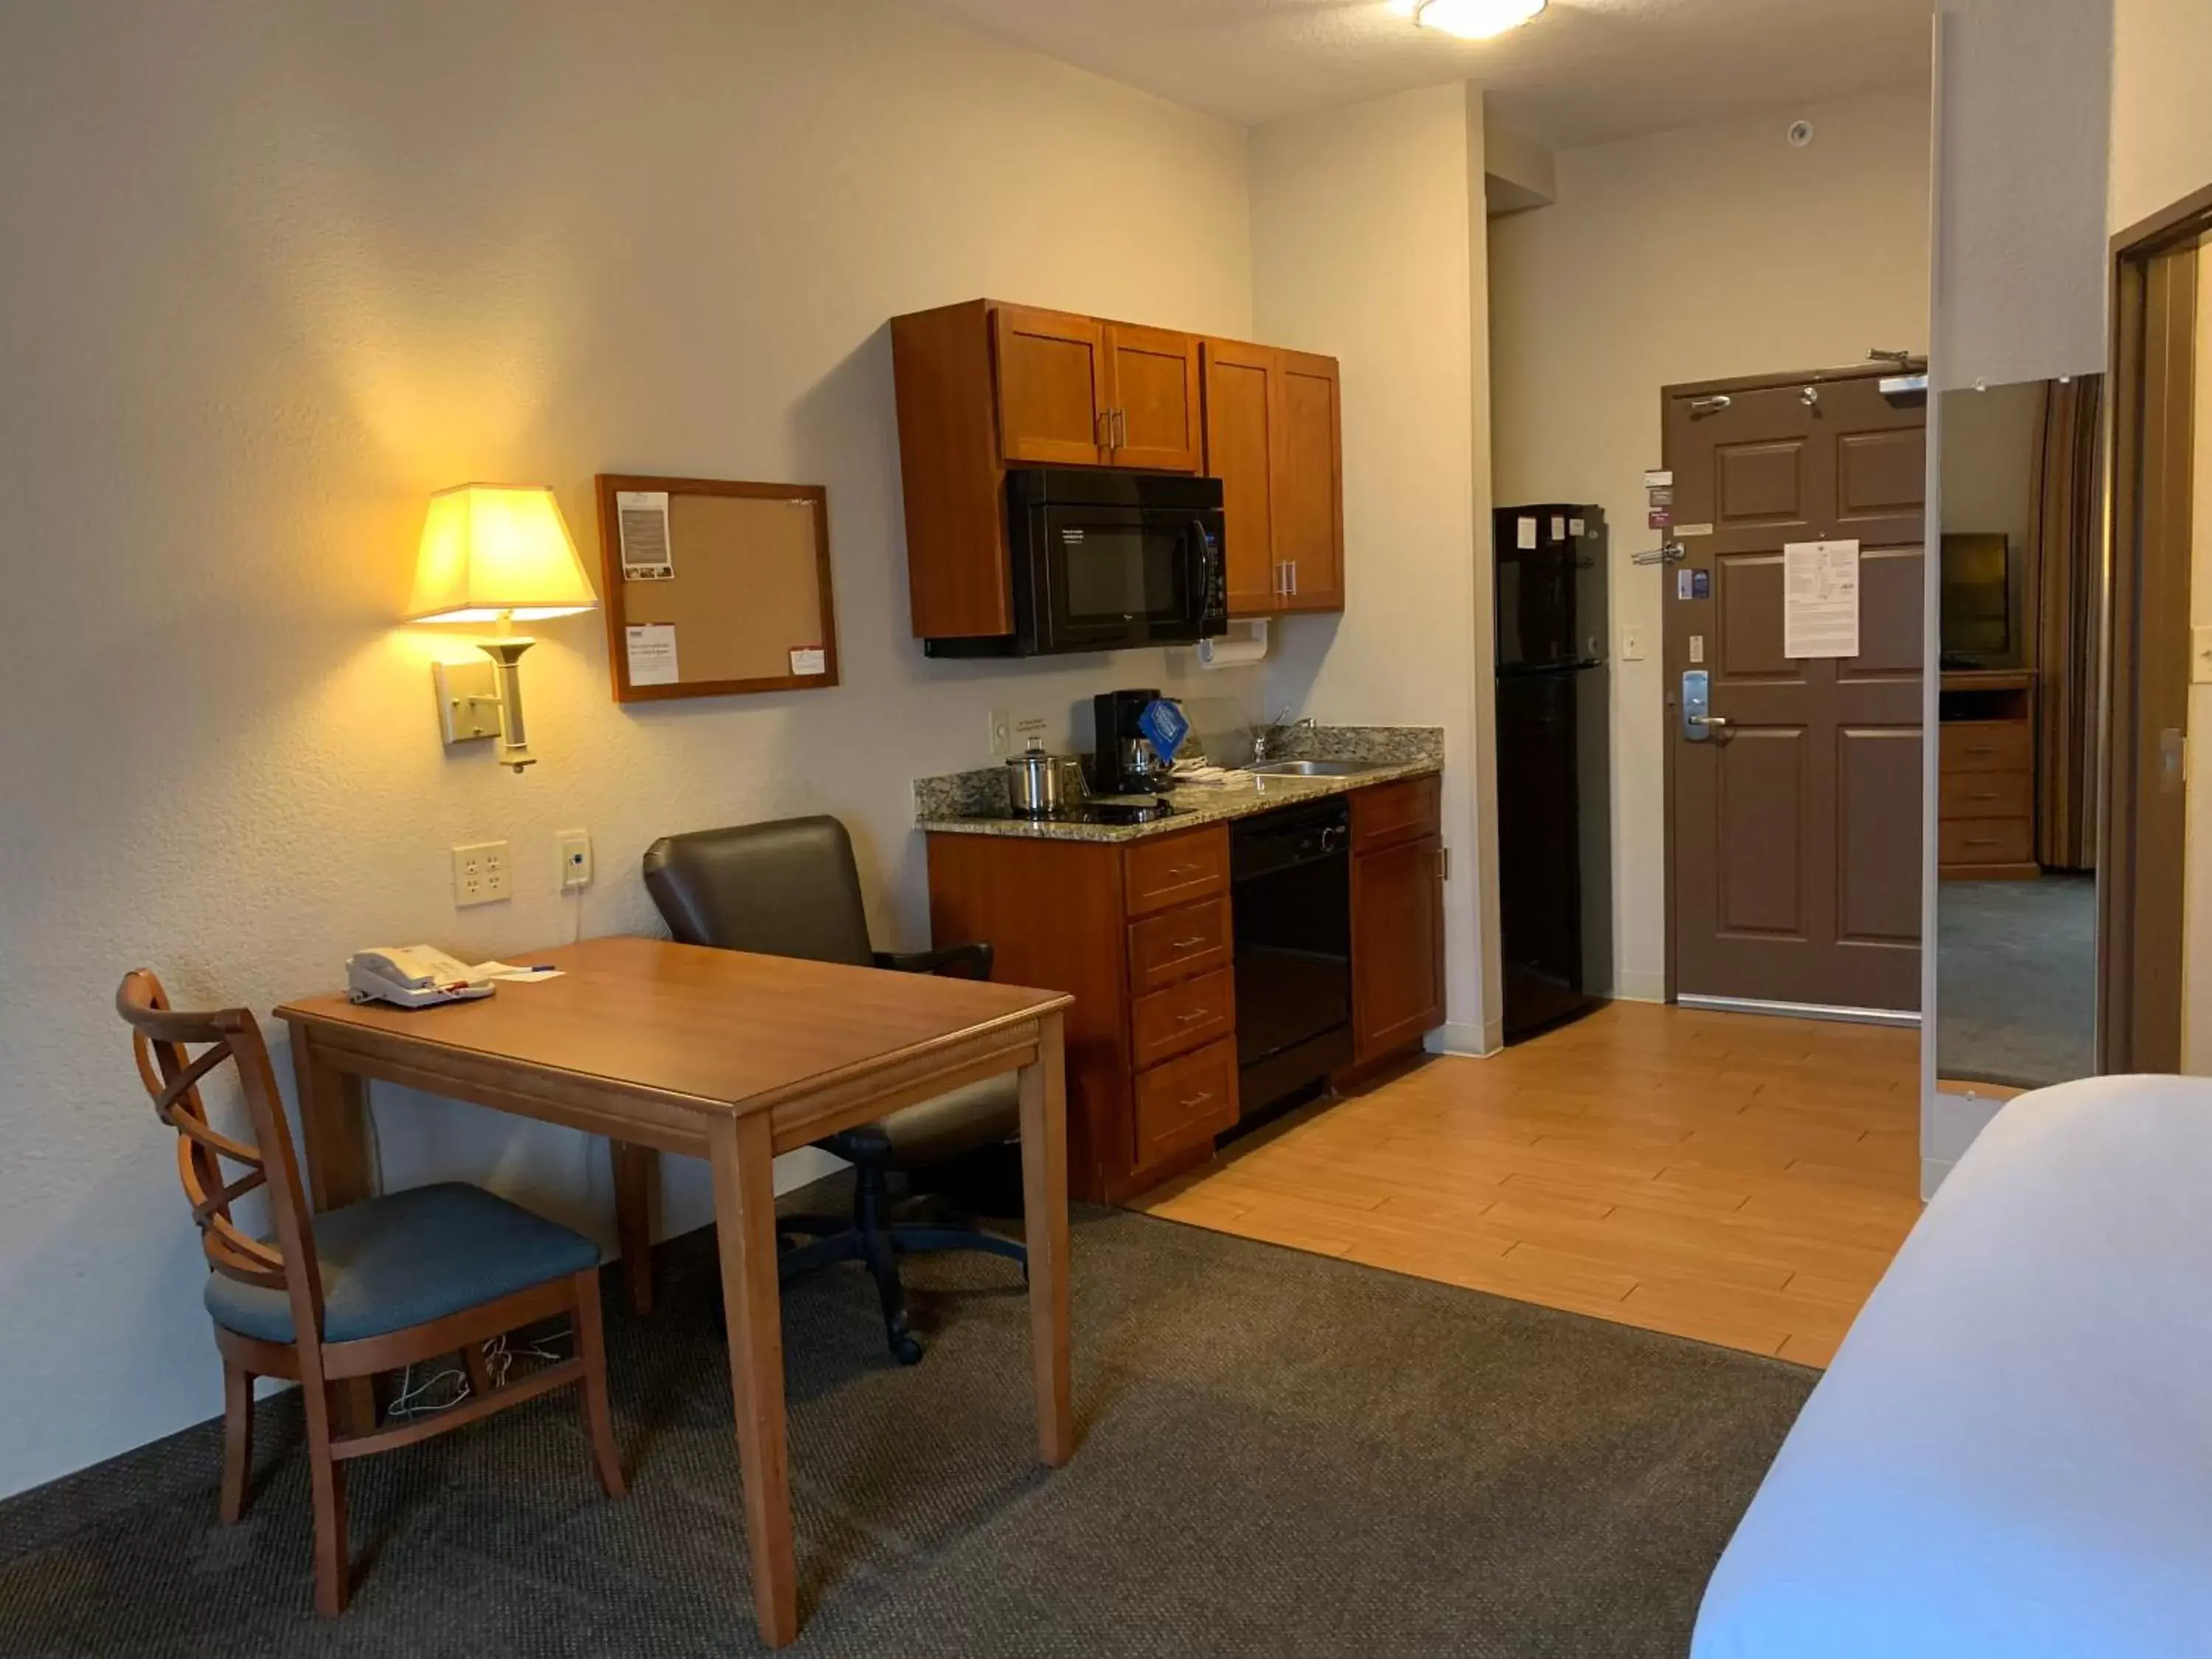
[[2200, 656], [1002, 733], [482, 873], [572, 850], [1631, 645]]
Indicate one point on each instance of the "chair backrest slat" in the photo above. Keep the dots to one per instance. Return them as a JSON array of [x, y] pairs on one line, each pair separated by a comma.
[[159, 1040]]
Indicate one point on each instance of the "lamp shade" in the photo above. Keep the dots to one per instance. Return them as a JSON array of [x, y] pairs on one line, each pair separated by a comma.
[[494, 550]]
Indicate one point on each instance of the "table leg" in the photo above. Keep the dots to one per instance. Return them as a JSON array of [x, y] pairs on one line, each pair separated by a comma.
[[634, 1169], [1044, 1207], [334, 1137], [743, 1154]]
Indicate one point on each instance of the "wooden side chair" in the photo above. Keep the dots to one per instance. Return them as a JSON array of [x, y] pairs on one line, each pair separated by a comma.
[[374, 1286]]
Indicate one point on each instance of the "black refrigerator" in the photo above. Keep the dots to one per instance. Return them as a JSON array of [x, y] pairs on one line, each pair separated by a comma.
[[1555, 764]]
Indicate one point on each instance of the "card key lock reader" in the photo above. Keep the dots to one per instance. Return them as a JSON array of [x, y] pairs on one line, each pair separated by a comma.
[[1699, 723]]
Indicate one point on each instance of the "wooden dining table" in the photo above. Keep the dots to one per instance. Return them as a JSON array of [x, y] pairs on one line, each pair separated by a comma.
[[733, 1058]]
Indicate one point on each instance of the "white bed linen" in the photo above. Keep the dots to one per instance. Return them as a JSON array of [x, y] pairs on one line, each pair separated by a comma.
[[2012, 1454]]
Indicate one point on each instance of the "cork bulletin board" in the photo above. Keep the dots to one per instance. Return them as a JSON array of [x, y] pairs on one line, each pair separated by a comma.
[[713, 589]]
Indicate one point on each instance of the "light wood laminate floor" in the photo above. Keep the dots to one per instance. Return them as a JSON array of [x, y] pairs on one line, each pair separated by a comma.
[[1736, 1178]]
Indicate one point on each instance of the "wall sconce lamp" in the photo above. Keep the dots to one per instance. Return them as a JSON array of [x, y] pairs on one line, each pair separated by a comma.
[[499, 554]]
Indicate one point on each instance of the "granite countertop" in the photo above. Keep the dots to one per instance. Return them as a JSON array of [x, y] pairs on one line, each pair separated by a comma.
[[974, 802]]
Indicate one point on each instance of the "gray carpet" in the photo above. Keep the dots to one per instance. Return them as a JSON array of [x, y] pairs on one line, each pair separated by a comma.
[[1281, 1455], [2016, 980]]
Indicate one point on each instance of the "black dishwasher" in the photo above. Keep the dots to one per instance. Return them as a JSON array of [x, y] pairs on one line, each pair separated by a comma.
[[1291, 889]]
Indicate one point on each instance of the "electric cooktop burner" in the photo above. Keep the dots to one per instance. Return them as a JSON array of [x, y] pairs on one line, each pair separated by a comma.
[[1119, 810]]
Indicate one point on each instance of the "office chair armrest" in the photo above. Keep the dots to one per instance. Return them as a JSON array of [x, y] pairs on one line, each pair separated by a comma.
[[963, 961]]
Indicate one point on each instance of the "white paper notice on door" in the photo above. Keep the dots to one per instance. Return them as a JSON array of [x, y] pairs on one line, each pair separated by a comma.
[[1821, 599], [652, 653]]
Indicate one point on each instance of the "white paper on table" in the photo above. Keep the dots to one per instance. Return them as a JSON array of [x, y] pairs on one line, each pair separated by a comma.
[[1821, 599], [642, 515], [508, 973], [652, 653]]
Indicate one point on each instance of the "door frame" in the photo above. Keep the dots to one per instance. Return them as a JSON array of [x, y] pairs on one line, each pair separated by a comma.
[[2151, 403], [1668, 691]]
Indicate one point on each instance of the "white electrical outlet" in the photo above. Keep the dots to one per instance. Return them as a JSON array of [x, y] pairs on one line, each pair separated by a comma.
[[572, 850], [481, 874], [1002, 733]]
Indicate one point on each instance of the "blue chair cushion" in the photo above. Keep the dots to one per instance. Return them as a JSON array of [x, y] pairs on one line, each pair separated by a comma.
[[408, 1258]]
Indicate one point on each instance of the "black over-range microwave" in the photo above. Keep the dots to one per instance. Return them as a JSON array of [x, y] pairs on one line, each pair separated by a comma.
[[1106, 561]]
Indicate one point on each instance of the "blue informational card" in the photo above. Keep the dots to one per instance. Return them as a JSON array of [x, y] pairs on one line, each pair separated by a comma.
[[1164, 727]]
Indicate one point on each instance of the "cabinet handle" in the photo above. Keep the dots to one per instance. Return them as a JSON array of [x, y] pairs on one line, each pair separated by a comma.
[[1198, 1099], [1105, 425], [1444, 864], [1292, 567], [1186, 869], [1194, 1016], [1121, 428], [1188, 944]]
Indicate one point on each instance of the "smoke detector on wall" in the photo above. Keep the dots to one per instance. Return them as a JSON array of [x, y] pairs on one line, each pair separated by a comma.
[[1471, 20]]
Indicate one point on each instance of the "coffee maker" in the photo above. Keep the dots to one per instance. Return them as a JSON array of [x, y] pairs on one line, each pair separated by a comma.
[[1124, 763]]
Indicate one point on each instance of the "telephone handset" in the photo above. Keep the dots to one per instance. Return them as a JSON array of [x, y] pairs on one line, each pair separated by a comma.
[[413, 977]]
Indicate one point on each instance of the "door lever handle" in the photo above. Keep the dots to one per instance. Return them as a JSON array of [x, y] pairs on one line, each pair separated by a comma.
[[1710, 722], [1666, 553]]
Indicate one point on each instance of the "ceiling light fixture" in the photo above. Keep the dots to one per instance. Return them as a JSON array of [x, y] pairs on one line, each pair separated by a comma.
[[1474, 20]]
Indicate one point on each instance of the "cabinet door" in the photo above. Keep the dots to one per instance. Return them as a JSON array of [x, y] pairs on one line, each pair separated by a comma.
[[1397, 946], [1053, 376], [1240, 451], [1308, 484], [1152, 398]]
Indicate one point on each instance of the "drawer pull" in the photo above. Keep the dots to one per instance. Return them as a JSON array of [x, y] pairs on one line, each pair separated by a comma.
[[1981, 841], [1195, 1015], [1186, 869], [1196, 1100], [1986, 794], [1190, 944]]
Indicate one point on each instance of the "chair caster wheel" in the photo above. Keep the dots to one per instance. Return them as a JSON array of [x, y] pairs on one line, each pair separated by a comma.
[[905, 1349]]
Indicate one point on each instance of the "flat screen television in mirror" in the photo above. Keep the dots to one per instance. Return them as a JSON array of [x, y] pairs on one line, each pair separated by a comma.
[[1980, 629]]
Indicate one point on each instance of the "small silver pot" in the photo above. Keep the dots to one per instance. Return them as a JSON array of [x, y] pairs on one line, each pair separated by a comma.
[[1039, 785]]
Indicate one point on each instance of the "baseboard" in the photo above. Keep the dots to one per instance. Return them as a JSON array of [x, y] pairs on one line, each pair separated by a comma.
[[1639, 988], [1464, 1037]]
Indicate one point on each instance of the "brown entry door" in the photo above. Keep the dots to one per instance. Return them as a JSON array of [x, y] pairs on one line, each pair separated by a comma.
[[1795, 817]]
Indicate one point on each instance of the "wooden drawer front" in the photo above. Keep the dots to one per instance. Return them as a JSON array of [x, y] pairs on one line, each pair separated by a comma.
[[1984, 795], [1186, 1101], [1984, 841], [1181, 1017], [1986, 746], [1176, 870], [1178, 945], [1388, 812]]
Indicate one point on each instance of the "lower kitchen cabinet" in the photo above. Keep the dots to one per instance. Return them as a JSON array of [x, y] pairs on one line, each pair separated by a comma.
[[1142, 935], [1397, 916]]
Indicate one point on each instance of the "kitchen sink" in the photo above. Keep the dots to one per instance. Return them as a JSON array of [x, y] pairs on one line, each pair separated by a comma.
[[1311, 768]]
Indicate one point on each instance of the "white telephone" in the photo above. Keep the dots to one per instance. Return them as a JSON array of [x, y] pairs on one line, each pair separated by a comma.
[[413, 977]]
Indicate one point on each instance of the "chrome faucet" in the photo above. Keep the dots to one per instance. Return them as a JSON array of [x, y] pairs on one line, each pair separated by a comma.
[[1265, 738]]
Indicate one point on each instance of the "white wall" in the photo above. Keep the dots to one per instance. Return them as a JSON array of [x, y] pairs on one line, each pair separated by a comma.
[[277, 271], [2161, 140], [2026, 108], [1367, 245], [1713, 250]]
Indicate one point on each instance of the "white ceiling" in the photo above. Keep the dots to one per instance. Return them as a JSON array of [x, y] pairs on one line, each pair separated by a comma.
[[1582, 72]]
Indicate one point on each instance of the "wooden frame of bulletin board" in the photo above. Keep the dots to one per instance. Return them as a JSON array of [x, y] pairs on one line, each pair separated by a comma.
[[739, 598]]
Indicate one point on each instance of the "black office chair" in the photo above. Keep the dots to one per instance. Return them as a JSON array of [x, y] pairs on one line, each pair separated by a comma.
[[792, 888]]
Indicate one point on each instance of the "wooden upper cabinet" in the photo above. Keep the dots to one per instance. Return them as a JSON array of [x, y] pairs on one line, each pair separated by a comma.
[[1240, 439], [1054, 382], [1309, 484], [984, 386], [1153, 406], [1274, 438]]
